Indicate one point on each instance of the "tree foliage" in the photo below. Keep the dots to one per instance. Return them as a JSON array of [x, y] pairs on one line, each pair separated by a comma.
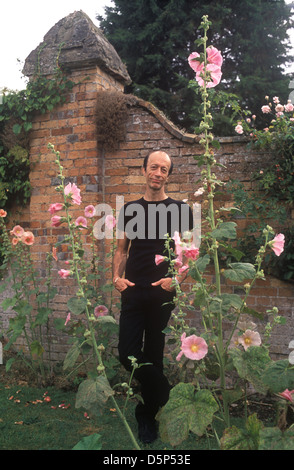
[[154, 39]]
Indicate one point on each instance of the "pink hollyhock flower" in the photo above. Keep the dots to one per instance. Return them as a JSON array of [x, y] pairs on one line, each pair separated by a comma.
[[73, 192], [3, 213], [67, 319], [214, 56], [100, 311], [110, 221], [81, 222], [277, 244], [183, 269], [193, 347], [178, 263], [17, 231], [89, 211], [191, 252], [55, 208], [159, 259], [178, 245], [64, 273], [15, 241], [289, 108], [194, 63], [54, 253], [239, 129], [250, 338], [276, 99], [288, 395], [56, 220], [266, 109], [28, 238], [215, 75]]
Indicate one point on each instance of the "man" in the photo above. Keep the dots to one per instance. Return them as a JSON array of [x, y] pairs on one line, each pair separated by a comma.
[[147, 289]]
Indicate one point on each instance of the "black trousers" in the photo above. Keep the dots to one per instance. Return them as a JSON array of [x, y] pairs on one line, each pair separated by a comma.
[[145, 313]]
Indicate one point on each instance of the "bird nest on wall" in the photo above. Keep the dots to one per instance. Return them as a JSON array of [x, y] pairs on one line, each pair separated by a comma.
[[111, 114]]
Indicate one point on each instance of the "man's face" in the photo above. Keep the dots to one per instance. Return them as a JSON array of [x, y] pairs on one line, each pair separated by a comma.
[[157, 170]]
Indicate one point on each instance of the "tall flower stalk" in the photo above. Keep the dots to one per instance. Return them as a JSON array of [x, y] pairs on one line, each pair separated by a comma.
[[71, 195]]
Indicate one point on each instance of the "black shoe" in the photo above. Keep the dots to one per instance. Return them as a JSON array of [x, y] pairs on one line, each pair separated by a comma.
[[147, 431]]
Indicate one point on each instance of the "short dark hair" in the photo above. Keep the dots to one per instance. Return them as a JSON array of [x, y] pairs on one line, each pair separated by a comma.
[[145, 162]]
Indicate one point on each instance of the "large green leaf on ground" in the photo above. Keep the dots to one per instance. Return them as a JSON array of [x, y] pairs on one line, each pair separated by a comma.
[[186, 411], [243, 439], [92, 442], [275, 439], [93, 394]]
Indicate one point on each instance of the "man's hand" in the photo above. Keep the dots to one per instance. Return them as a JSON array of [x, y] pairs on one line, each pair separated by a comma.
[[166, 283], [121, 284]]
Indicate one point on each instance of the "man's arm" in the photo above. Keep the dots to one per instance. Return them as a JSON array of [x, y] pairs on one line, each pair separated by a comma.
[[119, 264]]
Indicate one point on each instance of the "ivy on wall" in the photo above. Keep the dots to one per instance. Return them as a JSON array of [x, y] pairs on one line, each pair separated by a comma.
[[17, 110]]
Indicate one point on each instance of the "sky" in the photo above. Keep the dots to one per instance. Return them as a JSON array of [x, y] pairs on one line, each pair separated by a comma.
[[24, 24]]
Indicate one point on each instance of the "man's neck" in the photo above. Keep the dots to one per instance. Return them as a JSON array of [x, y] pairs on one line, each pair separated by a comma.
[[154, 195]]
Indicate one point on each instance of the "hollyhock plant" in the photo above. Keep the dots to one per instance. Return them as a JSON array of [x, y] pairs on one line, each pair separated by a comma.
[[17, 231], [90, 211], [214, 63], [193, 347], [56, 220], [277, 244], [250, 338], [72, 191], [55, 208], [214, 56], [64, 273], [215, 74], [100, 311], [3, 213], [81, 222], [159, 259], [28, 238], [110, 221], [288, 395], [191, 252]]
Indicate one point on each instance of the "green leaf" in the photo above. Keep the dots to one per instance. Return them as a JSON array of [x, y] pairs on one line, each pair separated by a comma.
[[77, 305], [9, 364], [275, 439], [93, 394], [9, 303], [226, 302], [17, 129], [186, 411], [243, 439], [279, 376], [225, 230], [250, 365], [36, 348], [106, 319], [72, 355], [42, 316], [92, 442], [239, 272]]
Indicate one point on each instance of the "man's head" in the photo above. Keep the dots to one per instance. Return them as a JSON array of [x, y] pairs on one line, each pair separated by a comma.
[[157, 153], [157, 167]]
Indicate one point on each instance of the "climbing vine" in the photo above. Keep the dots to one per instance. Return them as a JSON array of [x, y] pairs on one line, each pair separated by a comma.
[[17, 109]]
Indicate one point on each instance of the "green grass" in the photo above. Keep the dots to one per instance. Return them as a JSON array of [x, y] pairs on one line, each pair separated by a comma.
[[29, 424]]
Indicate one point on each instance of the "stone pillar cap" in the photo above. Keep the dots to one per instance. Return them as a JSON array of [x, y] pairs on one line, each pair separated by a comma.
[[76, 43]]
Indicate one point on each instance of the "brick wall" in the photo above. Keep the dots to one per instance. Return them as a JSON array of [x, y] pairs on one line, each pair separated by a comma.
[[102, 175]]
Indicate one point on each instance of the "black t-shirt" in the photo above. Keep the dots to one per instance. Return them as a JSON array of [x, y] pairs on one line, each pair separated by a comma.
[[146, 224]]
